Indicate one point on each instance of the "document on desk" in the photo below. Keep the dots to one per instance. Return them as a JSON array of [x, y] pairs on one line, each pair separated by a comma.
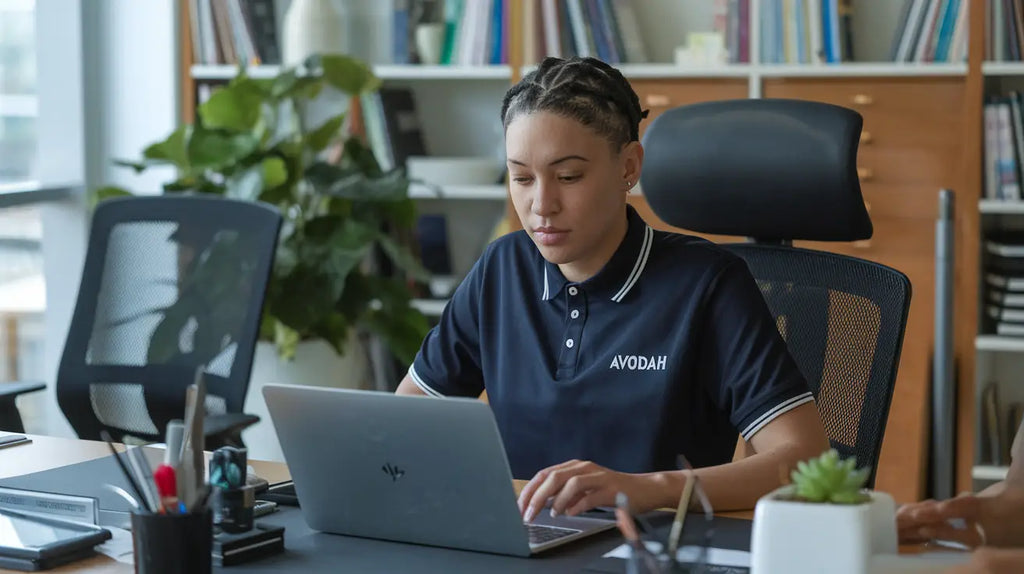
[[728, 561], [119, 547]]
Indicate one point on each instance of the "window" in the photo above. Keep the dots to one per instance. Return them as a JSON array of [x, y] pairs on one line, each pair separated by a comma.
[[18, 104], [22, 290]]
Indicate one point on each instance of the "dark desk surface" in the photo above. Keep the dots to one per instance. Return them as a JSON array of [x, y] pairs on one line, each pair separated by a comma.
[[310, 551]]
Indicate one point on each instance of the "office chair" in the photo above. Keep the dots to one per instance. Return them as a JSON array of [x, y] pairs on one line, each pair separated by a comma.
[[776, 171], [170, 284]]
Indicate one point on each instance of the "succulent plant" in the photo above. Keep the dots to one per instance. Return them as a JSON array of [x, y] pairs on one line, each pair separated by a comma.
[[830, 479]]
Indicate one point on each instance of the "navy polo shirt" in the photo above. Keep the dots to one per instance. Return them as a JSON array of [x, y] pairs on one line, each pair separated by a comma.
[[669, 349]]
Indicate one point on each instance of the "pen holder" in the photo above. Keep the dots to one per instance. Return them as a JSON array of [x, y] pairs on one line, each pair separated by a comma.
[[173, 543]]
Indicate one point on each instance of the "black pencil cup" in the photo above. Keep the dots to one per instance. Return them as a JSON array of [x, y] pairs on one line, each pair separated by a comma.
[[173, 543]]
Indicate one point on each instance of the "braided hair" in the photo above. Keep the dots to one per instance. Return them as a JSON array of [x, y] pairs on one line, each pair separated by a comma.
[[584, 89]]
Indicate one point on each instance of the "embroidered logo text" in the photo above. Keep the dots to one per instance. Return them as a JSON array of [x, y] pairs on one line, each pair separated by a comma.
[[639, 362]]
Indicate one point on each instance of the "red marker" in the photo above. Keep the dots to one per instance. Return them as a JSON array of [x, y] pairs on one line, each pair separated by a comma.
[[166, 486]]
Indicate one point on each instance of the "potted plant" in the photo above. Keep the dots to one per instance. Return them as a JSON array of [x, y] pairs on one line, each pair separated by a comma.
[[824, 521], [344, 218]]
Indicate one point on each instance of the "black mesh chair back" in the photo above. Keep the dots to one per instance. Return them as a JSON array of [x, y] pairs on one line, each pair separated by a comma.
[[171, 283], [776, 171]]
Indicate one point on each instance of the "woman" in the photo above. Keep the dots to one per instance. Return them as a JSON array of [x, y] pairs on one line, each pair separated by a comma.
[[607, 348]]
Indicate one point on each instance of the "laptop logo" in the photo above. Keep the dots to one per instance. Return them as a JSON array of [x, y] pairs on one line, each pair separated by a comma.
[[393, 471]]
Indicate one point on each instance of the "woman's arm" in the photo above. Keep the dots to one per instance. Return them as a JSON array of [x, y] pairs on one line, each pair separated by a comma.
[[577, 486], [792, 437], [409, 387]]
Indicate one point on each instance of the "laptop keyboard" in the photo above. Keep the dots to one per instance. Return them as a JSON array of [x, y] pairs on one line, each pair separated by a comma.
[[540, 533]]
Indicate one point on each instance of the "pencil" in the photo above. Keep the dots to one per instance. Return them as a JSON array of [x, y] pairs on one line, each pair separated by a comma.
[[677, 523], [124, 470]]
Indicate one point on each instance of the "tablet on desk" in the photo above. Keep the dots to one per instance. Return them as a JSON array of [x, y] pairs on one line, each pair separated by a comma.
[[36, 543]]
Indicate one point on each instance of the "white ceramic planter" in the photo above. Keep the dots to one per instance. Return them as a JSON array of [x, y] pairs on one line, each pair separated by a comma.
[[801, 537], [315, 364]]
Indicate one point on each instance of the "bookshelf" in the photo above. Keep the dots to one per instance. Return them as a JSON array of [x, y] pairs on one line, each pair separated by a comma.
[[922, 133], [224, 72], [999, 361]]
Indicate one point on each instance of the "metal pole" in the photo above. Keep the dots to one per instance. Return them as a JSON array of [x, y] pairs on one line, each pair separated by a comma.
[[943, 391]]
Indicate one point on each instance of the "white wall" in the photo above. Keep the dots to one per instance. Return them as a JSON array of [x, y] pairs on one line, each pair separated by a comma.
[[108, 87]]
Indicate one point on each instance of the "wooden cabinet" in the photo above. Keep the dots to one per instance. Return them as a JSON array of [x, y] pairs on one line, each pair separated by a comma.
[[658, 95], [910, 149]]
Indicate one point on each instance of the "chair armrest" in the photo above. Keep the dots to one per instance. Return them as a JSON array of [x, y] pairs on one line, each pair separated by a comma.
[[8, 391], [227, 424]]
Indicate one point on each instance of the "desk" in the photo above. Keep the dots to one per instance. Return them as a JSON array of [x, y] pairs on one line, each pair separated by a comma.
[[45, 453]]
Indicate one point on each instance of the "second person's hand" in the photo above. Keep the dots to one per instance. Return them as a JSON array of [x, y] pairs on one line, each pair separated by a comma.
[[577, 486]]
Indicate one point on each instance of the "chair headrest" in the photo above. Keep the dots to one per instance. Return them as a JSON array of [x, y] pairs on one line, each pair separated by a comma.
[[768, 169]]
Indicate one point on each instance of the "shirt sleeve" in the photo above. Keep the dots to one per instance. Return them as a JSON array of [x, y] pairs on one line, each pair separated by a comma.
[[747, 367], [448, 362]]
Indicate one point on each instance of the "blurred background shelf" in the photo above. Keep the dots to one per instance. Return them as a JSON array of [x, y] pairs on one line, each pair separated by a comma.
[[491, 192], [989, 472], [430, 307], [1000, 206], [999, 343], [385, 72]]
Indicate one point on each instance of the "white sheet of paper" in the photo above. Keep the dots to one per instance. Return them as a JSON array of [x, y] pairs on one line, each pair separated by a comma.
[[119, 547], [716, 556]]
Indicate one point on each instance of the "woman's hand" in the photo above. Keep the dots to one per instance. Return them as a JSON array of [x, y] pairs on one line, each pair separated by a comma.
[[577, 486], [991, 561], [996, 520]]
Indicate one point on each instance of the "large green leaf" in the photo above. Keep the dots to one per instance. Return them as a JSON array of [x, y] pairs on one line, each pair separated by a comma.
[[164, 344], [289, 84], [334, 330], [350, 182], [306, 294], [275, 172], [246, 184], [318, 139], [210, 149], [348, 74], [236, 107], [286, 340], [403, 258], [360, 156], [401, 326], [336, 246], [173, 150]]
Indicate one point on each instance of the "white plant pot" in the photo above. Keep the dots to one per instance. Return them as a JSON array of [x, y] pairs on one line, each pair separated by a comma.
[[802, 537], [316, 364]]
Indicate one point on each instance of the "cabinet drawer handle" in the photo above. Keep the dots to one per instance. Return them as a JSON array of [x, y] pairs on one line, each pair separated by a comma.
[[867, 205], [865, 173], [863, 100], [865, 137], [862, 244], [658, 100]]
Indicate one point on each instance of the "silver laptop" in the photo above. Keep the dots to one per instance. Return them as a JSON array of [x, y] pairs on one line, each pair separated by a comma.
[[408, 468]]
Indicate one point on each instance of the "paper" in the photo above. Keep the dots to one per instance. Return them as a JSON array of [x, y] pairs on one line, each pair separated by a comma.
[[916, 563], [716, 556], [119, 547]]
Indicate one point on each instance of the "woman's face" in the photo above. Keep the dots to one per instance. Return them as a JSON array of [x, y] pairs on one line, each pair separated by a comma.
[[569, 189]]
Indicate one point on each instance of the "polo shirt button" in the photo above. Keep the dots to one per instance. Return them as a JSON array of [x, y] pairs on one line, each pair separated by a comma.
[[575, 313], [573, 291], [569, 343]]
